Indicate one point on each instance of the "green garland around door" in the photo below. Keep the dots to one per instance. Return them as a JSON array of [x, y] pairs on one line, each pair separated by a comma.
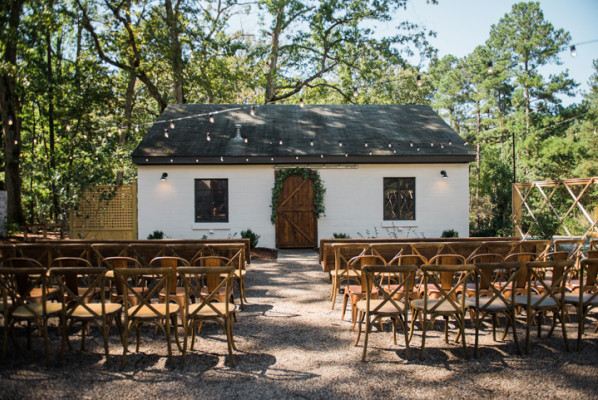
[[306, 173]]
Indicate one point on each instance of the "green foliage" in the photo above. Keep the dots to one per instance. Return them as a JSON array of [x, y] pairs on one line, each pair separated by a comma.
[[545, 226], [449, 233], [341, 235], [305, 173], [253, 237], [156, 235]]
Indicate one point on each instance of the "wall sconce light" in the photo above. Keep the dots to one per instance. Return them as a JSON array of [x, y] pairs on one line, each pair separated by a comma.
[[164, 176], [443, 174]]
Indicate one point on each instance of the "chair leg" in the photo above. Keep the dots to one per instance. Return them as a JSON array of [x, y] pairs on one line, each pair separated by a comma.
[[168, 343], [461, 323], [361, 316], [414, 315], [229, 340], [367, 332], [424, 326], [344, 306], [564, 327]]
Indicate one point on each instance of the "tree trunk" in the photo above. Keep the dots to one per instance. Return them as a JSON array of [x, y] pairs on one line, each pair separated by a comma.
[[273, 62], [51, 128], [122, 140], [176, 54], [9, 111]]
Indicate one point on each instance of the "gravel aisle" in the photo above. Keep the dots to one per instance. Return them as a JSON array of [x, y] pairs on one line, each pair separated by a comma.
[[291, 345]]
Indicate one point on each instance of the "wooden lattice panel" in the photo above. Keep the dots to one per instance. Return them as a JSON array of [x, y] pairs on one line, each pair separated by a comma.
[[573, 203], [106, 212]]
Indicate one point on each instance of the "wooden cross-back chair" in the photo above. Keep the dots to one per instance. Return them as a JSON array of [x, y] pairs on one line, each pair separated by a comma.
[[212, 304], [381, 303], [390, 281], [116, 292], [20, 279], [490, 299], [177, 292], [41, 252], [85, 304], [211, 282], [77, 250], [585, 297], [342, 254], [446, 302], [358, 290], [543, 296], [235, 252], [101, 251], [146, 252], [489, 280], [144, 309], [446, 277]]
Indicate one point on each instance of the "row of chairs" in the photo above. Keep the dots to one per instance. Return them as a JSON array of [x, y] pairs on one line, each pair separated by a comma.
[[488, 285], [122, 292]]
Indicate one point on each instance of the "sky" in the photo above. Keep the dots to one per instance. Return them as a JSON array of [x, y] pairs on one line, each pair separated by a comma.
[[462, 25]]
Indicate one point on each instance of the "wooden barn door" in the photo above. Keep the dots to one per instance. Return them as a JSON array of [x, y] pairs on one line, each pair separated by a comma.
[[296, 225]]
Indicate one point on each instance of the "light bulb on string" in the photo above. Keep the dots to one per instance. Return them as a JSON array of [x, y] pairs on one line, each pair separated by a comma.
[[252, 112], [311, 143], [419, 81], [301, 103], [450, 143], [166, 133], [245, 140], [10, 121], [211, 118], [340, 143], [208, 138], [355, 92], [490, 69], [280, 142], [346, 155], [411, 144], [136, 128], [573, 51], [68, 127], [365, 144], [221, 158], [389, 144], [418, 149], [171, 124]]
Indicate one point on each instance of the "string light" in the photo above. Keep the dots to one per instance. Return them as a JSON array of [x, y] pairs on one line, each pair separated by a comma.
[[411, 144], [573, 51], [419, 81], [490, 69], [136, 128], [301, 103], [252, 112], [432, 144], [211, 118], [450, 143], [166, 133], [355, 92], [418, 149], [10, 121], [321, 155], [389, 144], [311, 143], [245, 140], [280, 142], [222, 159], [365, 144], [340, 143], [171, 124], [208, 138], [68, 127]]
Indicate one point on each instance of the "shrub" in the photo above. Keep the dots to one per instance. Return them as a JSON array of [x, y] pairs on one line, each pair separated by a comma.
[[450, 233], [341, 235], [253, 237], [156, 235]]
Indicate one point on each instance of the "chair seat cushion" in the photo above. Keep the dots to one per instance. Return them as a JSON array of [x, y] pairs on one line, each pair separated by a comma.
[[82, 312], [547, 302], [573, 298], [387, 308], [143, 311], [207, 311], [35, 310], [444, 307], [487, 303]]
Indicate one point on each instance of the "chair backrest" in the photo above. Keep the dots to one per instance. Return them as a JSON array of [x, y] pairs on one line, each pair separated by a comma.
[[169, 262], [538, 273], [589, 270], [212, 280], [521, 257], [404, 275], [356, 263], [194, 278], [131, 297], [114, 263], [433, 279], [71, 298], [486, 258], [503, 294], [447, 277], [19, 276], [71, 279]]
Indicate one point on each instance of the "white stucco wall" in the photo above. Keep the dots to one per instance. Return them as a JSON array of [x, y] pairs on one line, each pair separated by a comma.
[[353, 201]]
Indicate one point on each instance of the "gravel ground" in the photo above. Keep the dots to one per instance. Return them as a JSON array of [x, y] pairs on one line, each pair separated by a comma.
[[292, 345]]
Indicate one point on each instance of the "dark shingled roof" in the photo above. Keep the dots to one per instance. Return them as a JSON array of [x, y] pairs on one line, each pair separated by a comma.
[[309, 134]]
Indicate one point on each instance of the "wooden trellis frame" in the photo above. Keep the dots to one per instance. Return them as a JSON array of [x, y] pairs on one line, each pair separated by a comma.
[[522, 193], [106, 213]]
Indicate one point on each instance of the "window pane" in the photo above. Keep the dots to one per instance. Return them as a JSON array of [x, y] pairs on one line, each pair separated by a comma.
[[211, 200], [399, 198]]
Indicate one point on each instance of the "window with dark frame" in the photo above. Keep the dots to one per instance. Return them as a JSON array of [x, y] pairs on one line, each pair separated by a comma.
[[211, 200], [399, 199]]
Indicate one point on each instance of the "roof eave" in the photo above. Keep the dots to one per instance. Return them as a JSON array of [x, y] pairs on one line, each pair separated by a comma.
[[327, 159]]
